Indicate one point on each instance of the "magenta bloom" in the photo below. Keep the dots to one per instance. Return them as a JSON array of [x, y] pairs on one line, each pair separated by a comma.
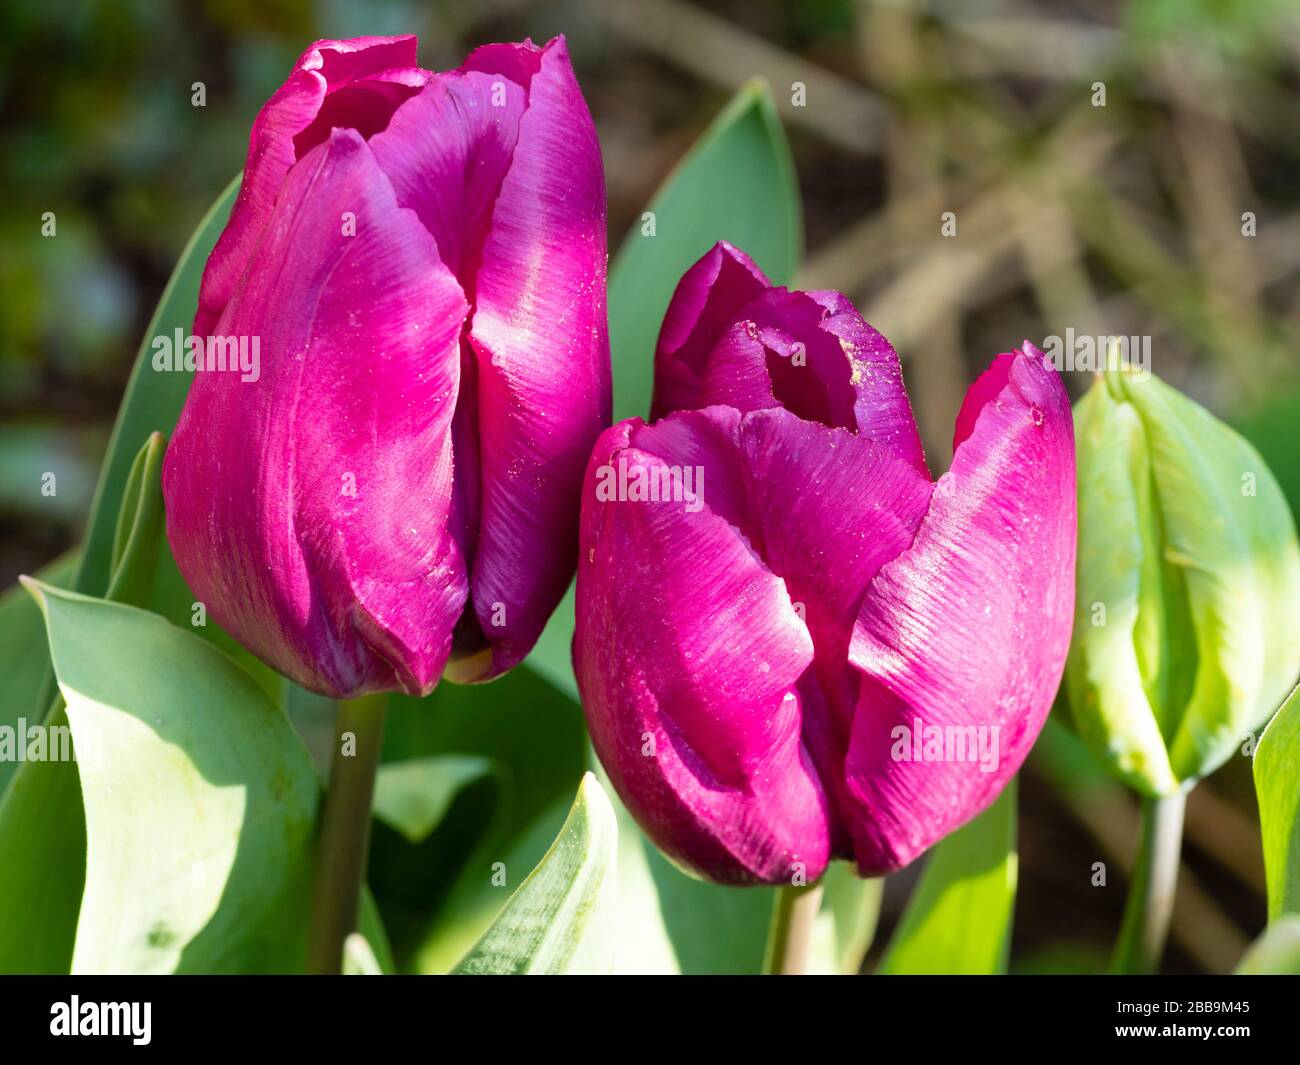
[[421, 259], [791, 645]]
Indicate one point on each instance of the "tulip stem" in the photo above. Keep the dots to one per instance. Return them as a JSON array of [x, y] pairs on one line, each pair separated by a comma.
[[793, 917], [344, 840], [1150, 903]]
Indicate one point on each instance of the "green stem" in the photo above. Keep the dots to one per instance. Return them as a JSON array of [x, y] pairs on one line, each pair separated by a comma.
[[345, 830], [1150, 902], [793, 917]]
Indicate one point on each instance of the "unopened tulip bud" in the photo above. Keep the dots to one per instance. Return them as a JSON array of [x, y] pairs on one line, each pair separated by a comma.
[[1187, 622]]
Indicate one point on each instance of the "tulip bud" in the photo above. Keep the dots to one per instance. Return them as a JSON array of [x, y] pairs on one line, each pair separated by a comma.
[[418, 261], [1187, 626], [791, 645]]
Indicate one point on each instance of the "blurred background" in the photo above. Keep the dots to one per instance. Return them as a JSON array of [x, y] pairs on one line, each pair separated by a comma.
[[1112, 169]]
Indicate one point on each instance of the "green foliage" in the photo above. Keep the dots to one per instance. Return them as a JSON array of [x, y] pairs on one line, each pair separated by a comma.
[[959, 917], [1277, 783], [561, 919]]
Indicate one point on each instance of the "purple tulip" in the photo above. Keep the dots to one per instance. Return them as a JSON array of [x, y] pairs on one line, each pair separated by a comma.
[[791, 645], [421, 259]]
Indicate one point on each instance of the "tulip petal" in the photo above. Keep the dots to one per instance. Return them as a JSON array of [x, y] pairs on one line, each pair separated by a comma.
[[324, 69], [881, 408], [308, 507], [830, 508], [730, 338], [968, 629], [452, 179], [690, 688], [540, 334], [706, 303]]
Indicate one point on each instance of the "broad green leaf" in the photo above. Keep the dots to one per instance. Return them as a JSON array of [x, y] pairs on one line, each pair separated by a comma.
[[561, 919], [1277, 783], [153, 400], [42, 826], [411, 797], [1276, 952], [737, 183], [199, 798], [958, 919]]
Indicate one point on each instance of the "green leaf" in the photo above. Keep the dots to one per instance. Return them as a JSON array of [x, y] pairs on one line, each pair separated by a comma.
[[358, 957], [43, 858], [371, 932], [152, 403], [412, 797], [24, 658], [1276, 952], [1277, 783], [737, 183], [42, 827], [958, 920], [199, 798], [671, 923], [153, 400], [846, 922], [139, 530], [561, 920]]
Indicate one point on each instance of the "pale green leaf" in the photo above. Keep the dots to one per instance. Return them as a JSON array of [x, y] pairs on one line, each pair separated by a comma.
[[846, 922], [561, 919], [670, 922], [199, 798], [1277, 784], [412, 796], [359, 958], [1276, 952], [370, 927]]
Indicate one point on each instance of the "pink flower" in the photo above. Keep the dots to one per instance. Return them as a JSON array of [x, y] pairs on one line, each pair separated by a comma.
[[421, 257], [791, 645]]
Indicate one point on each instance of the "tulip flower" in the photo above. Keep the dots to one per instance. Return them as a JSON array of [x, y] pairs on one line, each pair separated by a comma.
[[791, 644], [421, 259], [1187, 634]]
